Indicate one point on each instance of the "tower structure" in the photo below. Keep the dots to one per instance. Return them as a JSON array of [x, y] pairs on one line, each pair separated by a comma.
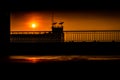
[[57, 30]]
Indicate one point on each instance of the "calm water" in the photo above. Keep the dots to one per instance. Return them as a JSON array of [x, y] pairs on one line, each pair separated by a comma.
[[36, 59]]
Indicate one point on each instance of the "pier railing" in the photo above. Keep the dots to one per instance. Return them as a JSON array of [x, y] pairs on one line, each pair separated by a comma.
[[82, 36], [92, 35]]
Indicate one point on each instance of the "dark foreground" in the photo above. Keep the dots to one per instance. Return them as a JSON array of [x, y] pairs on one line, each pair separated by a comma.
[[57, 65], [59, 68], [68, 48]]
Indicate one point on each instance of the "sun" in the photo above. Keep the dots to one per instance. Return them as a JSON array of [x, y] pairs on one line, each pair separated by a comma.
[[33, 25]]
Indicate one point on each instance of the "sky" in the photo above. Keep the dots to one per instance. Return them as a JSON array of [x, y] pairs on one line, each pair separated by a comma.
[[73, 20]]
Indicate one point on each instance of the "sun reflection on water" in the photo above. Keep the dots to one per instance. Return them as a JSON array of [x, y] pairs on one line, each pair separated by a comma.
[[36, 59]]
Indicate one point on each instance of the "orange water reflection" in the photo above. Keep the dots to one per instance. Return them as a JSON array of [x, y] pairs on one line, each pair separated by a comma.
[[35, 59]]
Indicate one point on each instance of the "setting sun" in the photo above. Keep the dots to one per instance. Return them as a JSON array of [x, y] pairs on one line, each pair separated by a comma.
[[33, 25]]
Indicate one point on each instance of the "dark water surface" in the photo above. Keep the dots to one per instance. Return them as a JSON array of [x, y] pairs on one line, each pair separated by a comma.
[[63, 58]]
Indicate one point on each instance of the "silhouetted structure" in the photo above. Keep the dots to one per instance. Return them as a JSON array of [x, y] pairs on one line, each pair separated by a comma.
[[56, 35]]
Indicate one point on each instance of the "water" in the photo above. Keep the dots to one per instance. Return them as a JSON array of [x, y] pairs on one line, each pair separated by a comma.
[[39, 59]]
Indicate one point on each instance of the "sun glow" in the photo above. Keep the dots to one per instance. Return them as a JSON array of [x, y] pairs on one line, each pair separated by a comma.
[[33, 25]]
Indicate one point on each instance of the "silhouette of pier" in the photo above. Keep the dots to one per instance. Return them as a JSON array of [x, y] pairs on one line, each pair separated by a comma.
[[66, 36], [59, 35], [87, 42]]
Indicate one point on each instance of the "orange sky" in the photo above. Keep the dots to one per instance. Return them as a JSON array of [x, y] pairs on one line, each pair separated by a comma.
[[72, 21]]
